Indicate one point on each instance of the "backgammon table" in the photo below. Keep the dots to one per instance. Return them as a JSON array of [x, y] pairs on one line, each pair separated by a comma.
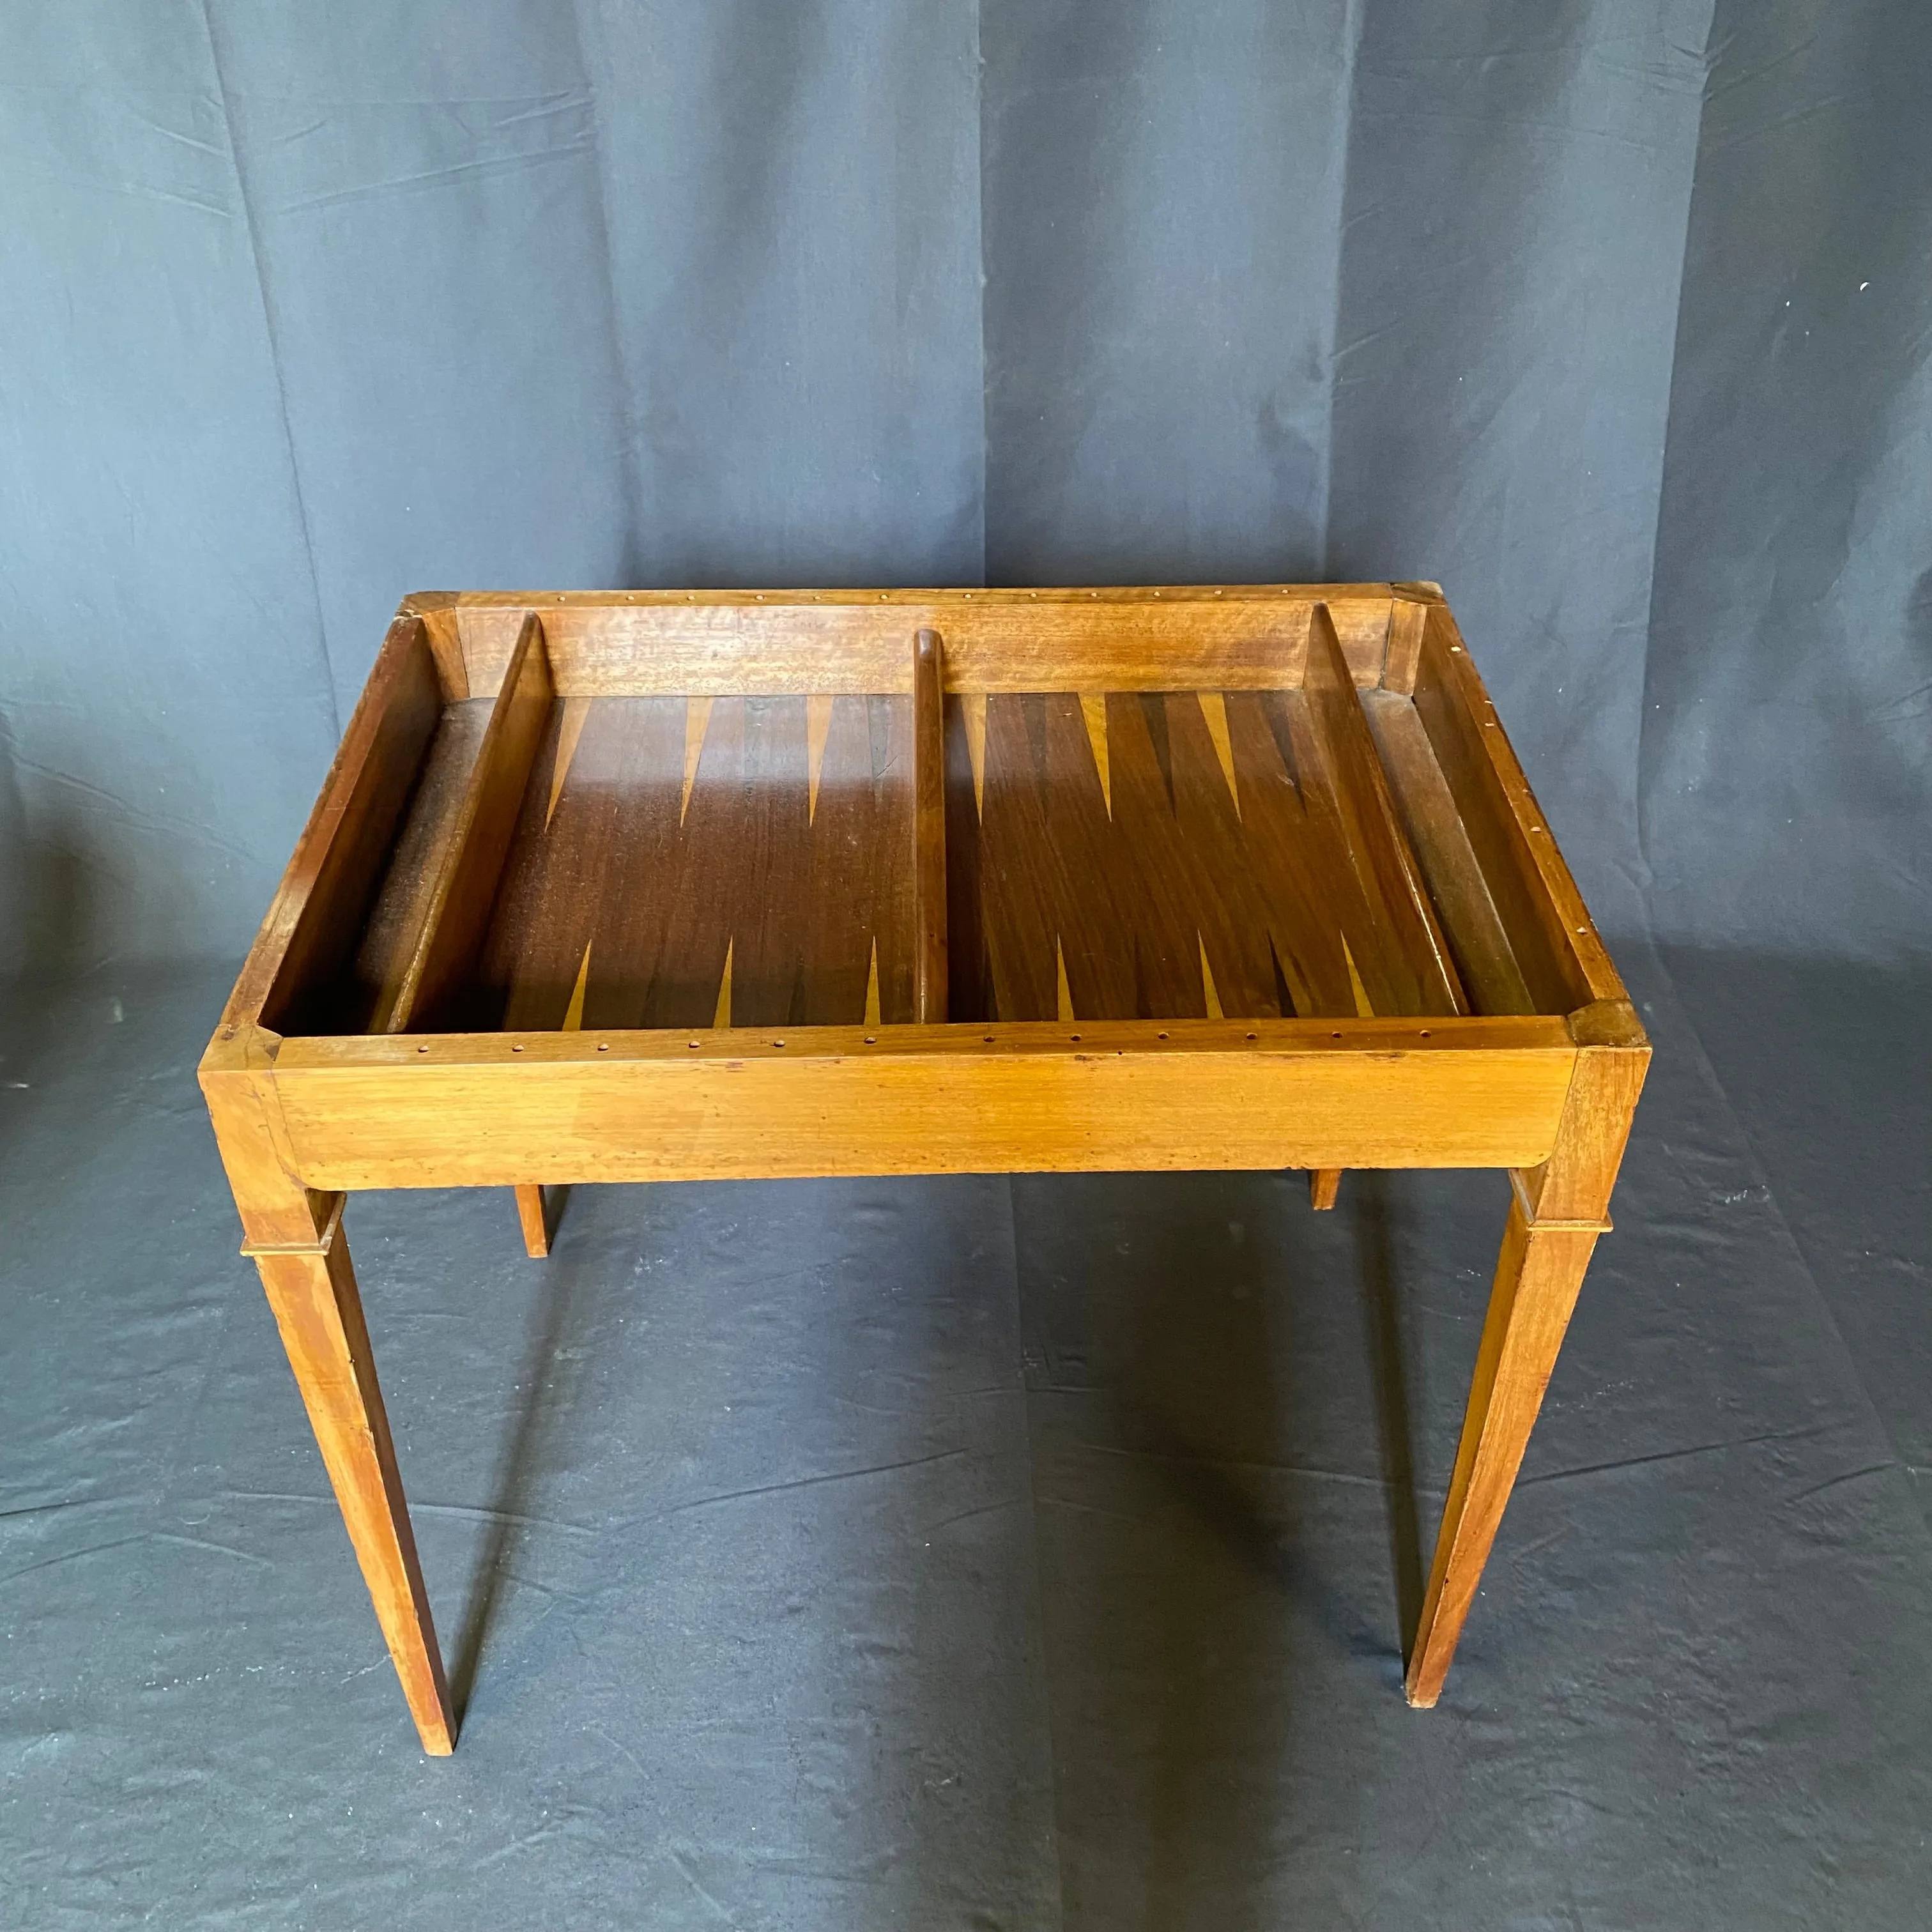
[[677, 885]]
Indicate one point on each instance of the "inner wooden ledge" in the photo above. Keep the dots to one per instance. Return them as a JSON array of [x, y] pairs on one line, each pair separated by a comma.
[[1098, 1039], [1065, 807]]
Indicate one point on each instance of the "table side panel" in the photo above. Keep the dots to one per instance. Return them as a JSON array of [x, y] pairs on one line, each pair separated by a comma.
[[313, 927], [644, 644], [517, 1115]]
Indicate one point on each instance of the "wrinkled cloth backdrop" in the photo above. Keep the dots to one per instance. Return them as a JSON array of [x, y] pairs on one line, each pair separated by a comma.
[[1613, 317]]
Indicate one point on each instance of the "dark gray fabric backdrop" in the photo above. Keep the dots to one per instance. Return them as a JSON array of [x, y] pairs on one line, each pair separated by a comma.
[[1612, 317]]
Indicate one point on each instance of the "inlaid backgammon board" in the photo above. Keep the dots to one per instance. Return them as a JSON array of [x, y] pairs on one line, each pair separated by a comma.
[[677, 885]]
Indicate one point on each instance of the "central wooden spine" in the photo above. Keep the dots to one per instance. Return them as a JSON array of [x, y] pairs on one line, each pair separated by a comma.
[[928, 685]]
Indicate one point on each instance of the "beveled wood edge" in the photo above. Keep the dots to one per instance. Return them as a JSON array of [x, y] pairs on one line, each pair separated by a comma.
[[1543, 1224], [749, 1110], [1573, 917], [423, 602], [1381, 804], [451, 920], [257, 979], [1079, 1040], [928, 833], [241, 1017], [776, 643], [325, 1239]]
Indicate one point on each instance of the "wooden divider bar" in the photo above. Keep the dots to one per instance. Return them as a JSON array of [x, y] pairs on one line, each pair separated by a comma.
[[1362, 800], [457, 912], [1436, 833], [928, 685], [1494, 801], [645, 643], [318, 915]]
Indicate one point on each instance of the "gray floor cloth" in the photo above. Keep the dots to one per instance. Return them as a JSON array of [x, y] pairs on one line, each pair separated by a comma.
[[970, 1552]]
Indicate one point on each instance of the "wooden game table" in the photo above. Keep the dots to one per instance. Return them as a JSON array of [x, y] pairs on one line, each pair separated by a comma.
[[683, 885]]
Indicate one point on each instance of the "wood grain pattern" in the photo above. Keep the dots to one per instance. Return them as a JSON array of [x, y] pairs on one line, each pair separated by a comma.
[[1538, 1274], [294, 1233], [1556, 1209], [318, 1312], [1410, 944], [1477, 938], [292, 980], [486, 1111], [530, 1216], [366, 997], [455, 913], [1562, 960], [929, 853], [642, 643], [1201, 878], [1243, 841], [659, 884]]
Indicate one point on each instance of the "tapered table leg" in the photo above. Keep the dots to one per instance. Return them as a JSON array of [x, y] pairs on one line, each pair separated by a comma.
[[1538, 1276], [1323, 1183], [536, 1229], [320, 1314], [1556, 1212], [295, 1236]]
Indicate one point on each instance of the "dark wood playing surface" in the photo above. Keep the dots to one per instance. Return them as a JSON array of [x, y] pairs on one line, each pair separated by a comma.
[[1170, 856], [692, 862], [662, 839]]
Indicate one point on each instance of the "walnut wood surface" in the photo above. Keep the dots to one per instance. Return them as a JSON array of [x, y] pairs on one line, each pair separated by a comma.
[[928, 853], [1156, 855], [457, 911], [489, 1109], [701, 858], [621, 882], [535, 1223], [1556, 1212], [291, 979], [746, 643], [318, 1312], [661, 885]]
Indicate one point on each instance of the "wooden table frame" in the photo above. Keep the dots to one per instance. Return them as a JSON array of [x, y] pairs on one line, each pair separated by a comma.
[[1513, 1046]]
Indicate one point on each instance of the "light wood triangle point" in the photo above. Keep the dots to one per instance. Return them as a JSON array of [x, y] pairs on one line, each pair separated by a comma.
[[817, 726], [575, 711], [1214, 709], [1363, 1010], [696, 719], [972, 706], [573, 1014], [1093, 708], [1208, 987]]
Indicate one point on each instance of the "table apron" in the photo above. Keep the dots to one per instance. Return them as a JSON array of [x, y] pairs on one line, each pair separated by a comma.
[[491, 1125]]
